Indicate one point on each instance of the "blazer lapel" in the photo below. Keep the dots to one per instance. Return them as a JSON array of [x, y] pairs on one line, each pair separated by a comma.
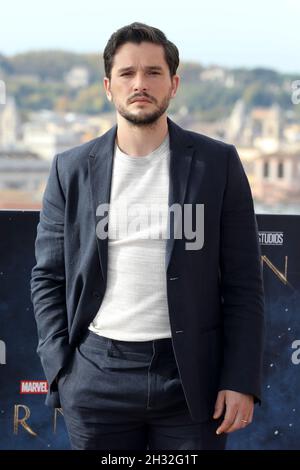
[[100, 174], [181, 153]]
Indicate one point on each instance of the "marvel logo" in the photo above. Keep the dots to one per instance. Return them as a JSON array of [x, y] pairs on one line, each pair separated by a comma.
[[33, 386]]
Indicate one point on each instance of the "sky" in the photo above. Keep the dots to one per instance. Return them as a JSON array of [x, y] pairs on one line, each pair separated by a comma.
[[231, 33]]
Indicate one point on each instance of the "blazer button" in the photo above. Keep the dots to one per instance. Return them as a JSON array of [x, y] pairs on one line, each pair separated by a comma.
[[173, 278]]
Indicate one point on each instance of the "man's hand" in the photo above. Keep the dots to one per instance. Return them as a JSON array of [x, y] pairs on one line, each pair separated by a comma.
[[239, 410]]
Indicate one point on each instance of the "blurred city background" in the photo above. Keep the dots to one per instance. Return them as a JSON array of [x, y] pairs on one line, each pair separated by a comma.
[[239, 71]]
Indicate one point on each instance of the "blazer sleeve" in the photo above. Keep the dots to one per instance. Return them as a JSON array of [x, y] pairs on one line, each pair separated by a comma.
[[48, 280], [241, 285]]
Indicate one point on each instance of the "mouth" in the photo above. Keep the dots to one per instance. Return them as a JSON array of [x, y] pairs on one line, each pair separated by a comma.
[[141, 100]]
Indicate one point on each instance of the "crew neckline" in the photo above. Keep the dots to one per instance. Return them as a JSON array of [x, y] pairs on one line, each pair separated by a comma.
[[156, 154]]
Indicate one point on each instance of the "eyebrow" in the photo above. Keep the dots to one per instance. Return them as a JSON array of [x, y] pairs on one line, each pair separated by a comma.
[[149, 67]]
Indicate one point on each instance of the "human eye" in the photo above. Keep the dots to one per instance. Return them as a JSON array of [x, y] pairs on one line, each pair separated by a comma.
[[125, 74]]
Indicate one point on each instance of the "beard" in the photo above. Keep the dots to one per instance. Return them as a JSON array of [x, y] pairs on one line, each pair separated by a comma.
[[147, 118]]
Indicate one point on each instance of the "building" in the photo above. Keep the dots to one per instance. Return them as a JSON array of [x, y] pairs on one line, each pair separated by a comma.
[[23, 178], [262, 128], [77, 77], [9, 124], [276, 177]]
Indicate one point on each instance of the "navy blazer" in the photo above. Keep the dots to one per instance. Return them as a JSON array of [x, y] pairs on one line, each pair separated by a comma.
[[215, 294]]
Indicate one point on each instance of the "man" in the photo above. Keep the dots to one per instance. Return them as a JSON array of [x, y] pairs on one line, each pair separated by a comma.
[[149, 340]]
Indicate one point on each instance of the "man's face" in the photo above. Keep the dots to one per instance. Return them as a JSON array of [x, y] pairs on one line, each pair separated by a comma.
[[140, 86]]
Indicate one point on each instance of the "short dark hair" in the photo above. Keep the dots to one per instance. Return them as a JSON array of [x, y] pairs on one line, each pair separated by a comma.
[[137, 33]]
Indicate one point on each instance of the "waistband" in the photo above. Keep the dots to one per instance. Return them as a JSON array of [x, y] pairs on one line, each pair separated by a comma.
[[143, 347]]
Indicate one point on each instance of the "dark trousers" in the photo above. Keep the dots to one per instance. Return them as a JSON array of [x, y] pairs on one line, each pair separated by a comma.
[[128, 396]]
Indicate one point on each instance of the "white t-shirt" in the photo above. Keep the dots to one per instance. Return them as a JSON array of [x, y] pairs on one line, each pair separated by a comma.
[[134, 307]]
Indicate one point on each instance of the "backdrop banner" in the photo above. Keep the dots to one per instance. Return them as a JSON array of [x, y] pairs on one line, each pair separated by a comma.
[[26, 423]]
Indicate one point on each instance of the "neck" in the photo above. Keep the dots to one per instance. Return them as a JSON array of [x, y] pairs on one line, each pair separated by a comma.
[[140, 140]]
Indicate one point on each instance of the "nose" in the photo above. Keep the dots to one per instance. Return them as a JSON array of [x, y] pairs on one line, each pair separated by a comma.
[[140, 82]]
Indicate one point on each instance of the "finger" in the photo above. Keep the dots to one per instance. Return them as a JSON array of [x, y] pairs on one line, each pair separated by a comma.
[[251, 415], [219, 406], [241, 421], [229, 418]]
